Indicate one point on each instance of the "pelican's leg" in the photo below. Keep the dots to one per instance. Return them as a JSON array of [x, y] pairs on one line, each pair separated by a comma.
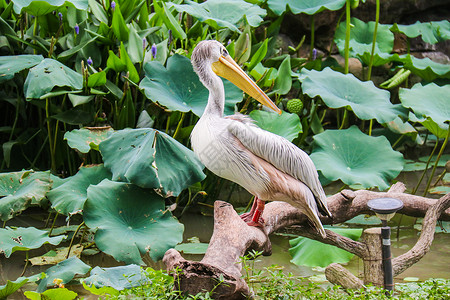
[[247, 217], [257, 220]]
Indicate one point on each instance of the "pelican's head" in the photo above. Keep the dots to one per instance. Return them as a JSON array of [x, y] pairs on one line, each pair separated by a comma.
[[213, 56]]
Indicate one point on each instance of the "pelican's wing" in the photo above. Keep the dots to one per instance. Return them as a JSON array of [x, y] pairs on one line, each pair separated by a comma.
[[283, 155]]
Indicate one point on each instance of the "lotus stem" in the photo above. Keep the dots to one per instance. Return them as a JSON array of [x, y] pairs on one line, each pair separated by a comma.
[[4, 224], [397, 141], [344, 119], [50, 141], [347, 35], [53, 224], [312, 38], [414, 191], [370, 127], [26, 264], [440, 177], [180, 123], [306, 130], [377, 19], [437, 161], [73, 237]]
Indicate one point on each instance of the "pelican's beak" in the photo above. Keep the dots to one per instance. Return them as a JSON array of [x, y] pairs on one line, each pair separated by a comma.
[[227, 68]]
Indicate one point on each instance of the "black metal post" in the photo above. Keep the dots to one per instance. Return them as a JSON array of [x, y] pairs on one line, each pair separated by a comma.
[[387, 258]]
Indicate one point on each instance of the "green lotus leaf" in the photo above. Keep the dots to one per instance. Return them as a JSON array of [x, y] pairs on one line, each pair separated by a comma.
[[119, 278], [65, 270], [307, 252], [24, 239], [136, 215], [307, 7], [439, 130], [431, 32], [426, 68], [183, 93], [10, 65], [429, 100], [48, 74], [224, 13], [40, 8], [69, 198], [361, 37], [356, 158], [11, 287], [106, 290], [286, 125], [151, 159], [192, 248], [20, 189], [85, 139], [339, 90], [52, 294]]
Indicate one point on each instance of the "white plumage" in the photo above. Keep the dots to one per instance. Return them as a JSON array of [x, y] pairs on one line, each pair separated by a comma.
[[267, 165]]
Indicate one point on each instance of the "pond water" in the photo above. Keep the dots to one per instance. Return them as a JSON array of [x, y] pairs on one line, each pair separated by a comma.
[[435, 264]]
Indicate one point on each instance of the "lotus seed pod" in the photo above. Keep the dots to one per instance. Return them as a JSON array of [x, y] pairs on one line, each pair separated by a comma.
[[295, 106], [354, 4]]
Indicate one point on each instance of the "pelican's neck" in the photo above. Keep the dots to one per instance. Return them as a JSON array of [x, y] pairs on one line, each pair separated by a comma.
[[216, 98]]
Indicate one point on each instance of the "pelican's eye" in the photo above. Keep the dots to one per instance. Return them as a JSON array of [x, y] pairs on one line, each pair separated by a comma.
[[224, 52]]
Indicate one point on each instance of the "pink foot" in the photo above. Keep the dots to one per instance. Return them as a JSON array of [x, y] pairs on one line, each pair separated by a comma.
[[247, 217], [260, 223]]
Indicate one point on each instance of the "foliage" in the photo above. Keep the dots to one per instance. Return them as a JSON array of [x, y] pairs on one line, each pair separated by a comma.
[[312, 253], [136, 215], [99, 97], [355, 158]]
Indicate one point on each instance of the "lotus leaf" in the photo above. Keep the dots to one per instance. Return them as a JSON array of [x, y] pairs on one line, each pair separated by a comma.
[[52, 294], [426, 68], [69, 198], [10, 65], [184, 93], [429, 100], [361, 38], [53, 257], [65, 270], [119, 278], [135, 215], [85, 139], [20, 189], [80, 99], [308, 7], [224, 13], [286, 125], [106, 290], [24, 239], [339, 90], [307, 252], [353, 157], [192, 248], [431, 32], [151, 159], [11, 287], [46, 75], [40, 8]]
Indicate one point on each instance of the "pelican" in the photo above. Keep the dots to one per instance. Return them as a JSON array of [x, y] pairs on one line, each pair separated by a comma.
[[232, 147]]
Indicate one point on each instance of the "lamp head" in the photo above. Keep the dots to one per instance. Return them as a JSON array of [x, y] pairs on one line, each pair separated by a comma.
[[385, 208]]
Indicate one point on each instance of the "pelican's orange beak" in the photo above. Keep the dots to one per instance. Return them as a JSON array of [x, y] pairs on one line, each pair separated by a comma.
[[227, 68]]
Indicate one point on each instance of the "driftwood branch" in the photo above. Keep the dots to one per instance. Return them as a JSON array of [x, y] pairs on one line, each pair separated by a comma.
[[232, 238]]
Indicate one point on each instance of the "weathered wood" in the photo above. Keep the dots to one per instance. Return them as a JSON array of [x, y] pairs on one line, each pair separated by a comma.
[[337, 274], [373, 268], [232, 238]]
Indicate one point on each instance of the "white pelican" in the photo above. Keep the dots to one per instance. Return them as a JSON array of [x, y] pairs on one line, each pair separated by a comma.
[[265, 164]]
